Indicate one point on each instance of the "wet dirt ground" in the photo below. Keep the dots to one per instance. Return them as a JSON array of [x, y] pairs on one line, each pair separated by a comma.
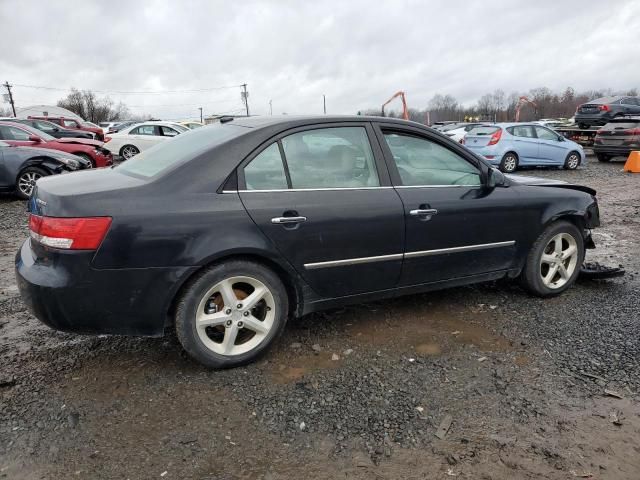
[[532, 388]]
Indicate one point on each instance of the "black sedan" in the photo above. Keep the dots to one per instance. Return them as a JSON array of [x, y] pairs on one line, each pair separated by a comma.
[[227, 231], [21, 167], [51, 128]]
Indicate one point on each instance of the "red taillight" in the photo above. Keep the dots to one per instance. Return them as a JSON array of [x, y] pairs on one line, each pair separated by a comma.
[[600, 132], [69, 233], [495, 138], [604, 108]]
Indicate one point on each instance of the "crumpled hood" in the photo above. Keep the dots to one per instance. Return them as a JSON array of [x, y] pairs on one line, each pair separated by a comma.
[[47, 152], [546, 182], [84, 141]]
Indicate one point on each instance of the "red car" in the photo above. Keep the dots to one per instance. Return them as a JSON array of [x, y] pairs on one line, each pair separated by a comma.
[[73, 124], [22, 135]]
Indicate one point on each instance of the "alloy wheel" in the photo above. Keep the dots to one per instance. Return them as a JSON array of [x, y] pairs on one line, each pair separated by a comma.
[[510, 163], [559, 260], [235, 315], [573, 161], [128, 152], [27, 181]]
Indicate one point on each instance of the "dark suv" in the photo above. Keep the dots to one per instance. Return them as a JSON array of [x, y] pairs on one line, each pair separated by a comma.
[[619, 137], [602, 110]]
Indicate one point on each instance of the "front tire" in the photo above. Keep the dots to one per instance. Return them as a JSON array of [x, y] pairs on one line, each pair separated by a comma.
[[509, 163], [602, 157], [27, 179], [572, 161], [231, 313], [554, 261]]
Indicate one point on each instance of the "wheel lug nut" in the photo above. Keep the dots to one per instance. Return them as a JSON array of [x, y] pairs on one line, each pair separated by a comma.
[[229, 322], [240, 324], [239, 305], [246, 314], [228, 311]]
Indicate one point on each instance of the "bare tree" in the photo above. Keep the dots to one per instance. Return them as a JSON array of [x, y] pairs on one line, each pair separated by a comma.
[[87, 105]]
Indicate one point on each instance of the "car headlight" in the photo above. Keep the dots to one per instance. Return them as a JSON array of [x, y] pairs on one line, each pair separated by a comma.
[[70, 162]]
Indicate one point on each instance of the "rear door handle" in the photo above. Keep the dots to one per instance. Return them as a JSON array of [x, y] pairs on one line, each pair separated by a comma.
[[285, 220], [423, 212]]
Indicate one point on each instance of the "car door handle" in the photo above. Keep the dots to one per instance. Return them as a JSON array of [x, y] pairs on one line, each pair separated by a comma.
[[423, 212], [285, 220]]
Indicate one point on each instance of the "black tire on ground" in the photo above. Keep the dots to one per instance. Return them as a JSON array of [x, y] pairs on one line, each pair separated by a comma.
[[584, 126], [195, 291], [88, 158], [509, 162], [531, 277], [29, 172], [572, 161], [602, 157], [131, 148]]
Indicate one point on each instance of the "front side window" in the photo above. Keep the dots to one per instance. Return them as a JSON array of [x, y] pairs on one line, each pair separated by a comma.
[[70, 123], [143, 130], [266, 171], [545, 134], [422, 162], [11, 133], [339, 157]]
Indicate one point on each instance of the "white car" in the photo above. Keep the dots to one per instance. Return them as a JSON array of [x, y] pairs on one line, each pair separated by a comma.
[[105, 126], [134, 139], [457, 134]]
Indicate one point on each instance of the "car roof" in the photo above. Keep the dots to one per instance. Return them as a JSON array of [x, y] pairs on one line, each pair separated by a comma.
[[293, 120], [607, 99]]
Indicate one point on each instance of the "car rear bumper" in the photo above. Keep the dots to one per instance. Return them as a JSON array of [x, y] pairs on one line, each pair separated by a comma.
[[617, 150], [64, 292], [592, 118]]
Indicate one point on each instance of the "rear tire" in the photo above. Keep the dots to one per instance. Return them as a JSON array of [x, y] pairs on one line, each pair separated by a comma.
[[602, 157], [549, 269], [509, 163], [583, 126], [225, 334], [572, 161], [129, 151], [26, 180]]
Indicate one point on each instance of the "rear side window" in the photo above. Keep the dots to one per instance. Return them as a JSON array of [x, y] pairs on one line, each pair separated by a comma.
[[11, 133], [70, 123], [144, 130], [521, 131], [484, 130], [546, 134], [266, 171], [168, 131], [339, 157]]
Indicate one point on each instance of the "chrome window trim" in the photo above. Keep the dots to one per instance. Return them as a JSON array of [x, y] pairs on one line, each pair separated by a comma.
[[466, 248], [331, 189], [437, 186], [397, 256], [352, 261]]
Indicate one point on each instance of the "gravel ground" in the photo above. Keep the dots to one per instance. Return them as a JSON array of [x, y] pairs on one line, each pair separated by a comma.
[[359, 392]]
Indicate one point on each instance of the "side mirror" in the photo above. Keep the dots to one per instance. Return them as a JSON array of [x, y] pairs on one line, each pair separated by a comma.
[[495, 178], [34, 138], [561, 138]]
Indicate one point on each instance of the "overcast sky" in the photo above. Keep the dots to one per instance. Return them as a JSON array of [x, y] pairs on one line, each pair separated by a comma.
[[358, 53]]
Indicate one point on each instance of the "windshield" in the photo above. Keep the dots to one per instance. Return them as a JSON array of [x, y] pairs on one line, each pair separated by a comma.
[[181, 148]]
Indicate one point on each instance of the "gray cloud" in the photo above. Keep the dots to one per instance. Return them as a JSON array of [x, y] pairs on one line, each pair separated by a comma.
[[358, 53]]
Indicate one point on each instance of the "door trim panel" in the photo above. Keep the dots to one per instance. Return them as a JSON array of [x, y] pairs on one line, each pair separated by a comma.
[[397, 256]]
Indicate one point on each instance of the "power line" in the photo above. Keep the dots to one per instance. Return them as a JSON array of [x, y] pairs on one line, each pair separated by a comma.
[[125, 92]]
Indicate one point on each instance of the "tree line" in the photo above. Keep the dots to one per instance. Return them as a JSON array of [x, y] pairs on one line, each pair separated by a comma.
[[500, 107]]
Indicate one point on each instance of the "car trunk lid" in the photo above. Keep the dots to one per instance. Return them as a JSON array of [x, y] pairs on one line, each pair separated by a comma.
[[480, 136], [619, 132]]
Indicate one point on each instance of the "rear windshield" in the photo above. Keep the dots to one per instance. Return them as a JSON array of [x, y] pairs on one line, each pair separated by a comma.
[[181, 148], [484, 130]]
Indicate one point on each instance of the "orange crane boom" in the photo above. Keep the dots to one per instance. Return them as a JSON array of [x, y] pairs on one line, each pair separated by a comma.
[[405, 111], [521, 101]]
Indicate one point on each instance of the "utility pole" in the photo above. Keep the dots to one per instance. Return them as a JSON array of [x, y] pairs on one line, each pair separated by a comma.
[[201, 120], [8, 87], [270, 107], [245, 97], [324, 103]]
